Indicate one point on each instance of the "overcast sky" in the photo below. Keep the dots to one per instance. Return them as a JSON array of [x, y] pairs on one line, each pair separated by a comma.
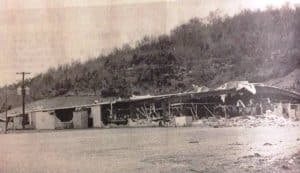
[[38, 34]]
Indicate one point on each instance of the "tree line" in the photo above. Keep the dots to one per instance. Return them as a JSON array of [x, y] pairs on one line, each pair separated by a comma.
[[252, 45]]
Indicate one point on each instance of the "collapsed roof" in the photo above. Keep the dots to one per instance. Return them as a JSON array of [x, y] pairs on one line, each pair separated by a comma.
[[227, 88]]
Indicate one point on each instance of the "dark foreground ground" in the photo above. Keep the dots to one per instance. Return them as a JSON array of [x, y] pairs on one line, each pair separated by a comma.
[[194, 149]]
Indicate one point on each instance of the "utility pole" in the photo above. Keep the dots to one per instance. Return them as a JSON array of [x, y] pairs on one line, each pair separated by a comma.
[[23, 92], [6, 107]]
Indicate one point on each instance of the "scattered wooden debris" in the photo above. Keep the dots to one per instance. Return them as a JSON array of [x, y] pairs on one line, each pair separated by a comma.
[[285, 167], [193, 142], [252, 156], [267, 144], [236, 143]]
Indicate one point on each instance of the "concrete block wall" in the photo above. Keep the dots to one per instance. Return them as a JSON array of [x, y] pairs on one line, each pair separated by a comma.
[[183, 121], [287, 110], [45, 120], [18, 123], [292, 114], [80, 119], [96, 114], [298, 111], [278, 109], [32, 119]]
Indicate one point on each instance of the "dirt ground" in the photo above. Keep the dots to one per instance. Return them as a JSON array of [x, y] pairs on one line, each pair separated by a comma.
[[192, 149]]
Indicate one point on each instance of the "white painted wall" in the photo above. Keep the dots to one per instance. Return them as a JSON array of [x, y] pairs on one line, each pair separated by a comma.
[[96, 114], [80, 119], [44, 120], [183, 121], [32, 119]]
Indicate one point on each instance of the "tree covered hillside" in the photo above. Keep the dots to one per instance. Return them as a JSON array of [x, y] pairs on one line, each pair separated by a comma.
[[254, 46]]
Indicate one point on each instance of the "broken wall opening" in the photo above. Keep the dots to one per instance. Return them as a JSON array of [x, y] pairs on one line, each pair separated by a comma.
[[64, 118], [64, 115], [105, 112]]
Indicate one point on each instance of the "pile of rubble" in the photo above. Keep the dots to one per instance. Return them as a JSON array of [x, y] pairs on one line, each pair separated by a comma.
[[142, 123], [247, 121]]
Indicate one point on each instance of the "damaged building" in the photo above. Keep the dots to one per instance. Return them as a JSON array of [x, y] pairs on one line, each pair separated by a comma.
[[58, 113], [231, 99]]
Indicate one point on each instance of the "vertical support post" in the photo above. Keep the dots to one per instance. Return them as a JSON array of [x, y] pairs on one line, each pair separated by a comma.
[[197, 111], [225, 112], [169, 109], [23, 94], [181, 105], [6, 121], [164, 108], [111, 111]]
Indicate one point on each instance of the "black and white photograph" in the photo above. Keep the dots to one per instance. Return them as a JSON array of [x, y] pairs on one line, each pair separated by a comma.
[[150, 86]]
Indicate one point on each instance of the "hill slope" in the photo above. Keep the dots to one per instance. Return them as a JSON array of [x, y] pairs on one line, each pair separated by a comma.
[[254, 46], [290, 81]]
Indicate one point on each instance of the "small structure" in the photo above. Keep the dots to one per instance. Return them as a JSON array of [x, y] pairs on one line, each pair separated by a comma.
[[183, 121], [58, 113]]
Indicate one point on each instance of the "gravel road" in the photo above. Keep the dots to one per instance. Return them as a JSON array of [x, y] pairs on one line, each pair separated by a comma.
[[136, 150]]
